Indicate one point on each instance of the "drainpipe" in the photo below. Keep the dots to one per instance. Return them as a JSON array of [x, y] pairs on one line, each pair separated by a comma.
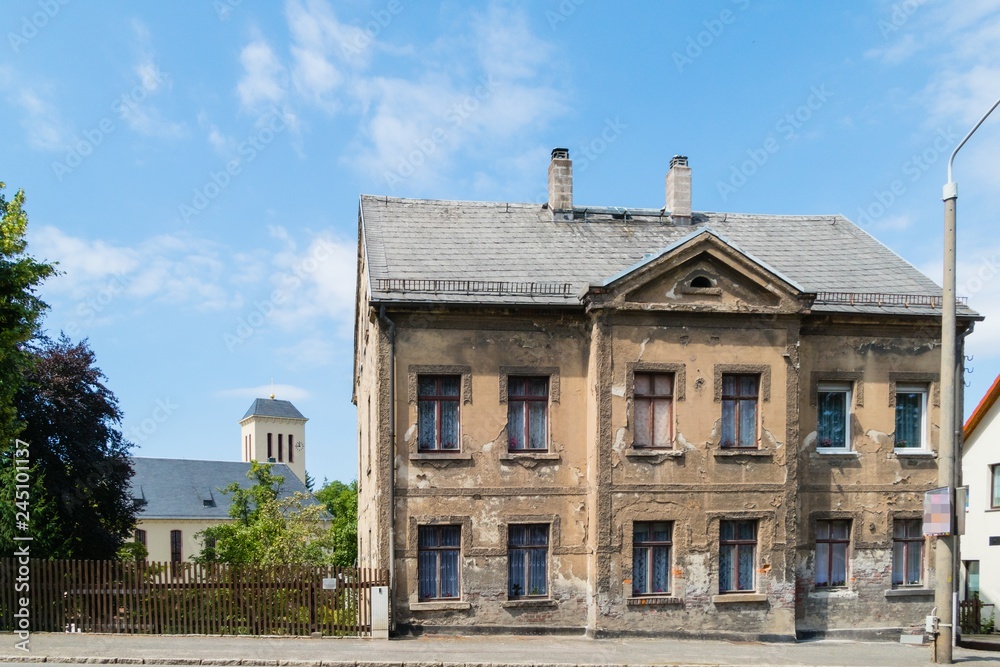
[[392, 461]]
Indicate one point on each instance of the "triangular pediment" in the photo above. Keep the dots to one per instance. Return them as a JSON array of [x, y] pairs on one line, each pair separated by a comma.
[[702, 272]]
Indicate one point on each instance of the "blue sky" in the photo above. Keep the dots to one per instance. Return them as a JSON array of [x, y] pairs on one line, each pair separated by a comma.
[[195, 167]]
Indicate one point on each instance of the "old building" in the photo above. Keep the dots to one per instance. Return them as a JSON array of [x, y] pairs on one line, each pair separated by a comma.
[[642, 420]]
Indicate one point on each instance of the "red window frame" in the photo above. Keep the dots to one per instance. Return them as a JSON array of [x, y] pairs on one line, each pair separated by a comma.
[[437, 398], [514, 396], [653, 398], [737, 398], [832, 542]]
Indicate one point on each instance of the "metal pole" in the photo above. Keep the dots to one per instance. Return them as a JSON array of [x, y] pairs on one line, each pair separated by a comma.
[[947, 547]]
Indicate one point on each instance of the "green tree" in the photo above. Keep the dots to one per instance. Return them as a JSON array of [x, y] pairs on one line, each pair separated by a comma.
[[20, 308], [80, 503], [268, 528], [341, 501]]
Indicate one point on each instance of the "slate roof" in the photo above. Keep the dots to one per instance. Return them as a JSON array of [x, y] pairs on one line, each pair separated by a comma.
[[273, 407], [500, 253], [177, 488]]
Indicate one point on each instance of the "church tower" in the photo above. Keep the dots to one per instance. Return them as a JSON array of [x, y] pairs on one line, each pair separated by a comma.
[[274, 431]]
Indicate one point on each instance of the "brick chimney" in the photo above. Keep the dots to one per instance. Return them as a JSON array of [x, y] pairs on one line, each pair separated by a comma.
[[561, 185], [678, 190]]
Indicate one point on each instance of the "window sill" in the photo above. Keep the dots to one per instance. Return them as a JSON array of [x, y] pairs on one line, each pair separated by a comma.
[[440, 605], [728, 598], [837, 451], [528, 455], [909, 592], [736, 451], [652, 452], [914, 452], [442, 456], [653, 601], [528, 604], [833, 594]]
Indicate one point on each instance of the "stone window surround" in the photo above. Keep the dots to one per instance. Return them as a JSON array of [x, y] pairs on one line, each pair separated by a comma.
[[766, 521], [679, 543], [498, 550], [415, 370], [680, 384], [932, 380], [412, 551], [904, 591], [852, 544]]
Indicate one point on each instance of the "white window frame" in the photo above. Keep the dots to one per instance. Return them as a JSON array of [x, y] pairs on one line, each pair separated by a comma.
[[924, 391], [846, 388]]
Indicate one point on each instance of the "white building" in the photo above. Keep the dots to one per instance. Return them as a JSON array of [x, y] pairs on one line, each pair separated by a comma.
[[980, 546]]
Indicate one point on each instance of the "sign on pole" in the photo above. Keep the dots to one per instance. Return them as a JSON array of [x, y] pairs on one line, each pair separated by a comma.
[[938, 512]]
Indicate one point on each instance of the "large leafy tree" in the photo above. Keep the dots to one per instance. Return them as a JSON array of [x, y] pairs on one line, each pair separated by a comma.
[[341, 501], [81, 506], [20, 307], [268, 528]]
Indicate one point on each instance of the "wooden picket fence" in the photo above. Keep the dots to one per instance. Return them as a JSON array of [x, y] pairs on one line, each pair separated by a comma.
[[187, 598]]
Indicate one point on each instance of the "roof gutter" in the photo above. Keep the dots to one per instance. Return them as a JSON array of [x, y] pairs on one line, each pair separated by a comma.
[[392, 453]]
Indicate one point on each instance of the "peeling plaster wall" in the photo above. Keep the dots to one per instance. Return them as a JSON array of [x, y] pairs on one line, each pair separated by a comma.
[[592, 485], [873, 484]]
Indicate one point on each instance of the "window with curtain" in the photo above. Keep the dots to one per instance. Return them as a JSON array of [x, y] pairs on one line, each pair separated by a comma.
[[438, 551], [737, 556], [527, 413], [651, 546], [739, 410], [907, 552], [833, 539], [527, 556], [911, 410], [833, 416], [438, 412], [652, 401]]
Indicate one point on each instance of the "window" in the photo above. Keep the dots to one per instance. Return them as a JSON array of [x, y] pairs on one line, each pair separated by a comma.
[[527, 556], [140, 536], [911, 412], [175, 546], [437, 565], [270, 448], [651, 543], [907, 552], [437, 412], [832, 540], [737, 556], [701, 281], [281, 447], [971, 579], [290, 449], [833, 418], [995, 486], [653, 405], [527, 412], [739, 410]]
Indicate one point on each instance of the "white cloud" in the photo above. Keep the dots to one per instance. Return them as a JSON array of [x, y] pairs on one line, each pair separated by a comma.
[[136, 107], [264, 78], [43, 125], [286, 392]]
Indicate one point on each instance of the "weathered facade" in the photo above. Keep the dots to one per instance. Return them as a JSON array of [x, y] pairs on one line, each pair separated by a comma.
[[642, 421]]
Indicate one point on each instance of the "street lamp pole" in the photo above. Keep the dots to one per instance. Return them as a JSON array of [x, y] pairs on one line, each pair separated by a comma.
[[947, 547]]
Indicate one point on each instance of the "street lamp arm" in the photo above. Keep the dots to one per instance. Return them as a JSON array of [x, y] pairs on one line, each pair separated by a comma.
[[951, 160]]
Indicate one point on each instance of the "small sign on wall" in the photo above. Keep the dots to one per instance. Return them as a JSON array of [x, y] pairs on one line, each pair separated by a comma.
[[994, 540]]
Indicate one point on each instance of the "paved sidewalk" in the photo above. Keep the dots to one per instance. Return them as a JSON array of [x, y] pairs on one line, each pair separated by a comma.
[[445, 651]]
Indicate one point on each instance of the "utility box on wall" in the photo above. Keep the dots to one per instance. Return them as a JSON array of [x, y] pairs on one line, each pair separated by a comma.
[[380, 612]]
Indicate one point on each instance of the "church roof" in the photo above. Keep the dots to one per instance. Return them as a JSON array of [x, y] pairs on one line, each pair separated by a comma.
[[188, 489], [273, 407]]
